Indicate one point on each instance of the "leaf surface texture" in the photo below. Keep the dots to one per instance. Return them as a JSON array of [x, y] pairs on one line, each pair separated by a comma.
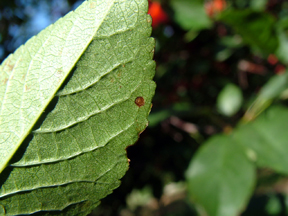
[[77, 155]]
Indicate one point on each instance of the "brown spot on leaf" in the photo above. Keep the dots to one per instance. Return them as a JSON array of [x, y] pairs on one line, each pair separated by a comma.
[[23, 77], [139, 101], [5, 81], [59, 73], [92, 5], [9, 65], [27, 88]]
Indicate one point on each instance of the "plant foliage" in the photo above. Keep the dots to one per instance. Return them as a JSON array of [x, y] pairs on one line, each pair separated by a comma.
[[71, 157]]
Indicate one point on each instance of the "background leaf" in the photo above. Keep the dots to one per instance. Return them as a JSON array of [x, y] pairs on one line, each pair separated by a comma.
[[229, 100], [256, 28], [215, 174], [77, 156], [283, 40], [274, 89], [221, 176], [190, 15], [266, 137], [258, 4]]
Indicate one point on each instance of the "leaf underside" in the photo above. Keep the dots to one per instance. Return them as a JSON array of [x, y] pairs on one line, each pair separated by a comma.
[[30, 77], [77, 155]]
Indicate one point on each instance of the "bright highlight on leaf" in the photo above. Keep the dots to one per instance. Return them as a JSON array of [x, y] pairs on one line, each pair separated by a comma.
[[77, 155], [229, 100]]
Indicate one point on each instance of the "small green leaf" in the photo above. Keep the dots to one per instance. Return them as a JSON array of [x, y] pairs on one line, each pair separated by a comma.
[[258, 5], [267, 138], [282, 51], [229, 100], [272, 90], [221, 177], [273, 206], [274, 87], [77, 155], [190, 15]]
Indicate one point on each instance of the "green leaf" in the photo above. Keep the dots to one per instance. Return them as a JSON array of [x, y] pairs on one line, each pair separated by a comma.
[[190, 15], [258, 5], [267, 138], [77, 155], [222, 174], [282, 51], [256, 28], [273, 206], [221, 177], [272, 90], [274, 87], [37, 70], [229, 100]]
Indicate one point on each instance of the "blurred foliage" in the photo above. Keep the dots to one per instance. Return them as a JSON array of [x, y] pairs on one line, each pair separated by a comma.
[[190, 15], [202, 48], [229, 100], [256, 28]]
